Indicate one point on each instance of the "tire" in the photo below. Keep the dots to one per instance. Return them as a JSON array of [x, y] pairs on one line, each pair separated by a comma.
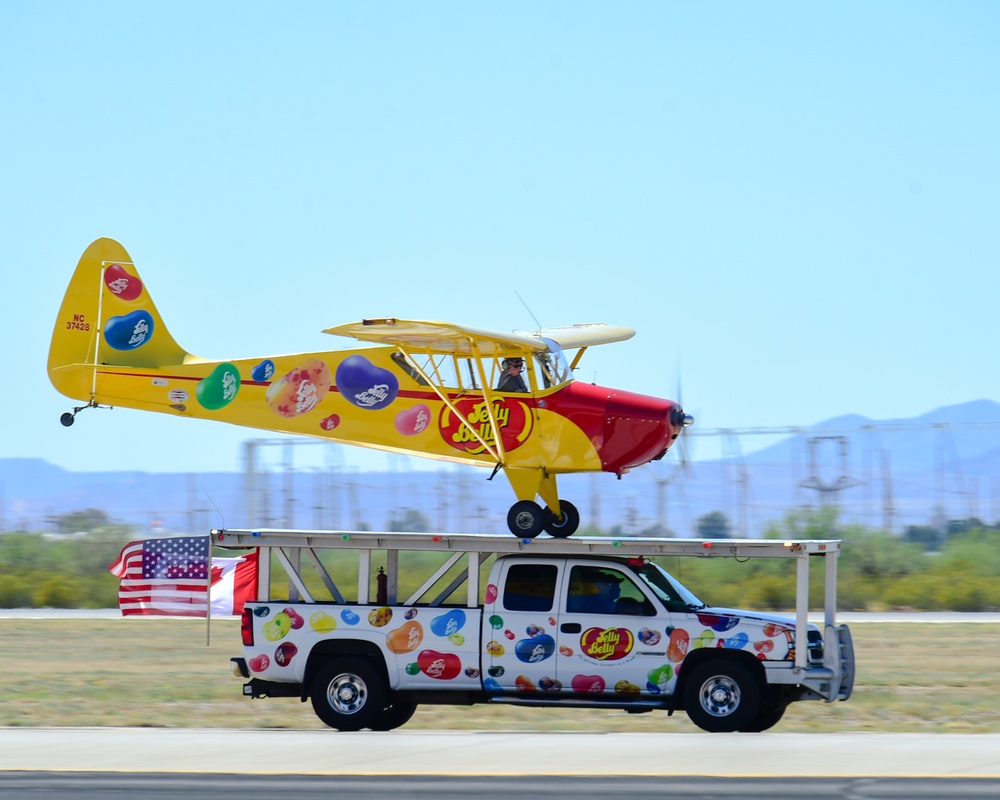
[[526, 519], [767, 717], [349, 694], [564, 525], [396, 715], [722, 696]]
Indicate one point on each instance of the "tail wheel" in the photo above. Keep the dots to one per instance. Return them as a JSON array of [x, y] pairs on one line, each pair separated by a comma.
[[565, 524], [349, 694], [722, 696], [526, 519]]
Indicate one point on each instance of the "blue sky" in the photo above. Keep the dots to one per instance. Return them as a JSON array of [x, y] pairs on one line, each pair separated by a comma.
[[793, 204]]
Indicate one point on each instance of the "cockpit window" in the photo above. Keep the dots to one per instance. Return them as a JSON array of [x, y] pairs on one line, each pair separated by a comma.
[[553, 366]]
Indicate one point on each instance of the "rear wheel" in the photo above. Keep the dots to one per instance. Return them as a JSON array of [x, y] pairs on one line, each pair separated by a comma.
[[349, 694], [722, 696], [566, 523]]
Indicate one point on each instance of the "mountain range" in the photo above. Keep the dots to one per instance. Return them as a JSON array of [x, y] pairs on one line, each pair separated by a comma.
[[885, 473]]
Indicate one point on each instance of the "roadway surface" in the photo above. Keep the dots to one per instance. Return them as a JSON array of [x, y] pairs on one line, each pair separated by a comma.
[[218, 764]]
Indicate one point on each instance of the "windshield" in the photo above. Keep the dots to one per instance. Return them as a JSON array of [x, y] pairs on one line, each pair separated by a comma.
[[553, 365], [672, 593]]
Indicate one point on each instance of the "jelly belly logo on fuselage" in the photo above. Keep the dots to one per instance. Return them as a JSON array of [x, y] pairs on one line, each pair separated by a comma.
[[606, 644], [513, 418]]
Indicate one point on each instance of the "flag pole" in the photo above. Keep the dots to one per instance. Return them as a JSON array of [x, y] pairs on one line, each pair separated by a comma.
[[208, 596]]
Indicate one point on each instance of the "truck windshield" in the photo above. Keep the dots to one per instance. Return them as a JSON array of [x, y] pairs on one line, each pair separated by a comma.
[[672, 593]]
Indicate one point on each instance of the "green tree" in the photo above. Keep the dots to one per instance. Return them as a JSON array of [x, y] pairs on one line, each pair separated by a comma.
[[713, 525]]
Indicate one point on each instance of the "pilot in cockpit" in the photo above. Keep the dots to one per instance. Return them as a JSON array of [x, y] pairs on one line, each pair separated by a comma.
[[510, 378]]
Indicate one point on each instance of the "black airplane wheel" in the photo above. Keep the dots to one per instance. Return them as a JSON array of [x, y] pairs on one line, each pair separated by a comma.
[[565, 524], [526, 519]]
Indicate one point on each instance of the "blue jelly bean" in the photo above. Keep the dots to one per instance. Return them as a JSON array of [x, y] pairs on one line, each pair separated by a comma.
[[349, 617], [447, 624], [264, 371], [130, 331], [537, 648]]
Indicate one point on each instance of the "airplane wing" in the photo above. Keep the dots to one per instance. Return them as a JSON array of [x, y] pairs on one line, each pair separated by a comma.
[[442, 338], [573, 336]]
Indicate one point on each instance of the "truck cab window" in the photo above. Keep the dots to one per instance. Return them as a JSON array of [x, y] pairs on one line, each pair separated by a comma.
[[530, 587]]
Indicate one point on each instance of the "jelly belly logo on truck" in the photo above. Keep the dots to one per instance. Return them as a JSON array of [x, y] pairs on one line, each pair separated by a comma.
[[606, 644], [513, 419]]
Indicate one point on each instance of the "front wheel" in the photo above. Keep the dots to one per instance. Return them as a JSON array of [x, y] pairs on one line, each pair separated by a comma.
[[526, 519], [349, 694], [722, 696], [566, 523], [396, 715]]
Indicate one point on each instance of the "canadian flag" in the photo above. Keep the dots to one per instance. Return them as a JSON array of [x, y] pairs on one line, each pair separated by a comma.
[[234, 581]]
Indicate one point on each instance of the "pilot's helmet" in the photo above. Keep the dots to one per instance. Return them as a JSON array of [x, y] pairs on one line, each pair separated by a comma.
[[514, 361]]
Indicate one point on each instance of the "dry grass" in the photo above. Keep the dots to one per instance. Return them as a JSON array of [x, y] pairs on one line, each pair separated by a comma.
[[912, 677]]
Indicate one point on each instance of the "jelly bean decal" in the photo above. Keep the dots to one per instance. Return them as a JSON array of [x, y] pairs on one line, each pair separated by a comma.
[[349, 617], [588, 683], [405, 638], [472, 672], [649, 637], [413, 420], [523, 684], [129, 332], [264, 371], [365, 385], [411, 613], [219, 389], [535, 649], [301, 390], [658, 678], [296, 620], [774, 629], [321, 622], [509, 634], [626, 687], [126, 287], [491, 594], [259, 663], [606, 644], [494, 648], [534, 630], [718, 622], [764, 645], [457, 639], [547, 684], [441, 666], [495, 672], [261, 611], [284, 654], [278, 627], [447, 624], [679, 644], [413, 668], [496, 622], [491, 685], [379, 617], [565, 651], [330, 423], [706, 639], [737, 642]]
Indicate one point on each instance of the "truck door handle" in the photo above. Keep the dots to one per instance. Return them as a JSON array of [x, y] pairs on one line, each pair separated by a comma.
[[570, 627]]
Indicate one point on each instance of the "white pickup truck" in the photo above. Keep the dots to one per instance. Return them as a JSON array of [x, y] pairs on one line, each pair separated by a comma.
[[586, 622]]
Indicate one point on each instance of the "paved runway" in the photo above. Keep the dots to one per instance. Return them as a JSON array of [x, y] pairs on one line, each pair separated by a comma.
[[471, 753]]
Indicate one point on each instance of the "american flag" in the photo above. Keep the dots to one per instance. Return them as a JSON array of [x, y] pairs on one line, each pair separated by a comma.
[[164, 577]]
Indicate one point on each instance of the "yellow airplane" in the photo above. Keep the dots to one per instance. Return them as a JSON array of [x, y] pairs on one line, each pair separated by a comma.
[[432, 389]]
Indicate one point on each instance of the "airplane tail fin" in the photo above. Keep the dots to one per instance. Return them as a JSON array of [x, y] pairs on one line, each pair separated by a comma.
[[107, 318]]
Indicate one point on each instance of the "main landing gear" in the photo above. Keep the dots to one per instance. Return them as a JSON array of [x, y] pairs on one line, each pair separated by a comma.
[[528, 519]]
